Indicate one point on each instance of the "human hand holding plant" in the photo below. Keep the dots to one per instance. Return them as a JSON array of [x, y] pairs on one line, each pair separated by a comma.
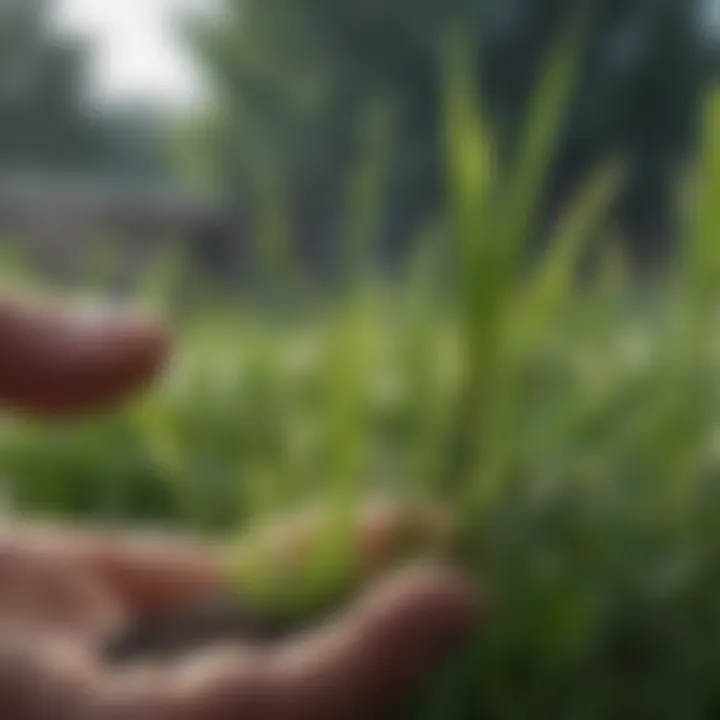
[[63, 593]]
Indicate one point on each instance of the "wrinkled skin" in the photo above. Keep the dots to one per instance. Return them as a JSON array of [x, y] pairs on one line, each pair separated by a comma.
[[61, 591]]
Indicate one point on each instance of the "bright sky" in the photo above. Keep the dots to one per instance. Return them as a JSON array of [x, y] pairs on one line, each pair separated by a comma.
[[137, 51]]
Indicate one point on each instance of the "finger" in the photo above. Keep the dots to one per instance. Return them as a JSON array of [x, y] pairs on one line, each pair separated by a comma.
[[41, 588], [59, 360], [152, 575], [374, 655], [355, 667], [146, 573]]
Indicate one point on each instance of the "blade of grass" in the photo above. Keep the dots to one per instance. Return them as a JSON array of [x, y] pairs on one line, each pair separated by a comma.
[[493, 222], [540, 304]]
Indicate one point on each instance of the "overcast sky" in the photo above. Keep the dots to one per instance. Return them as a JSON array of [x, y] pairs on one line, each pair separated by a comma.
[[138, 54]]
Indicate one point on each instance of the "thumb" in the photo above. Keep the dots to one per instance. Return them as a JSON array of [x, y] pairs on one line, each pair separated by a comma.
[[381, 649], [62, 359]]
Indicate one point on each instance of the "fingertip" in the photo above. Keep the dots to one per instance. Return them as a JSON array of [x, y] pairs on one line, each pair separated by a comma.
[[410, 626], [62, 360], [436, 603], [152, 575], [381, 649], [142, 338]]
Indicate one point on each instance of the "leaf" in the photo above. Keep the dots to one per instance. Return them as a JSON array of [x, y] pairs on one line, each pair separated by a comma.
[[552, 286]]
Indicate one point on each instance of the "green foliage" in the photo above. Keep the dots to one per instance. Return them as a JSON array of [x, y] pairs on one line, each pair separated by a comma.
[[294, 81]]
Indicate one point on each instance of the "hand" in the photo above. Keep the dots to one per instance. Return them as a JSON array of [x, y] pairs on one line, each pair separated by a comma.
[[61, 592]]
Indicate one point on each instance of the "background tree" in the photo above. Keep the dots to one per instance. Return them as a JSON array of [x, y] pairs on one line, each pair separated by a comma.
[[43, 121], [49, 122], [292, 80]]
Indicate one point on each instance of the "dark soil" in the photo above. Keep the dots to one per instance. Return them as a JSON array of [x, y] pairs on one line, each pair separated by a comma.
[[216, 620]]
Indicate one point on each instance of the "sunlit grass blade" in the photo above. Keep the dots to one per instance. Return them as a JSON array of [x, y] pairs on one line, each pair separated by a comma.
[[423, 354], [365, 198], [349, 351], [161, 281], [494, 212], [171, 463], [702, 251], [523, 187], [470, 164], [277, 268], [541, 302]]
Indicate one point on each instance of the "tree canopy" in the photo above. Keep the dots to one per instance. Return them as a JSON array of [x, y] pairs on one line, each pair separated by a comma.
[[294, 79]]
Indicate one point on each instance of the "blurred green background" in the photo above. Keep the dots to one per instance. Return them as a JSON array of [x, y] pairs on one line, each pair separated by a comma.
[[459, 249]]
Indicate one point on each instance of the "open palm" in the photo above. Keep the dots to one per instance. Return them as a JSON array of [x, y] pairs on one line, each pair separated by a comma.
[[62, 592]]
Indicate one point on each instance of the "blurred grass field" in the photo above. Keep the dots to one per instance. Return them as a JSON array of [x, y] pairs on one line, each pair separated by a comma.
[[574, 425]]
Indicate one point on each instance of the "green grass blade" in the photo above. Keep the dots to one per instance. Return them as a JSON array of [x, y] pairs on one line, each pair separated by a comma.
[[541, 303]]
